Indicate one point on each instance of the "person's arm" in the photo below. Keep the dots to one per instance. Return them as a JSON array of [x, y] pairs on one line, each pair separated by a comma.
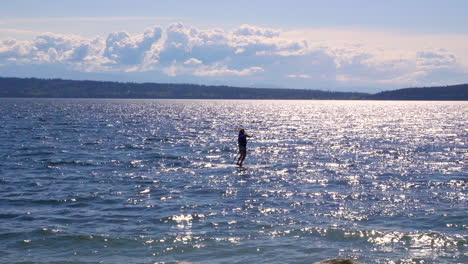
[[248, 135]]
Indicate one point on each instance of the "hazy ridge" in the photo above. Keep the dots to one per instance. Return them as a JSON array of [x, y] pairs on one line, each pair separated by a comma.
[[59, 88]]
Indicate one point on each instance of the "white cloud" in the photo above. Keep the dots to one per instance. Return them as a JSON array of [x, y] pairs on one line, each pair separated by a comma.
[[250, 54], [46, 48], [303, 76], [171, 70], [193, 61], [12, 49], [435, 59], [225, 71], [249, 30], [124, 49]]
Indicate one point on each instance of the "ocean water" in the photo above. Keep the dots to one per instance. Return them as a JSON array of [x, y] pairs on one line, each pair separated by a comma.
[[154, 181]]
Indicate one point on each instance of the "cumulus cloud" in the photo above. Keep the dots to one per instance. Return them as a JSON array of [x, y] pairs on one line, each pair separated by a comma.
[[224, 71], [183, 43], [249, 30], [244, 55], [124, 49], [435, 59], [12, 50], [193, 61], [48, 48]]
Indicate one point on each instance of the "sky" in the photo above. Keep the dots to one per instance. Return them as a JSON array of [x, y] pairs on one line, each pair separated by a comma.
[[361, 45]]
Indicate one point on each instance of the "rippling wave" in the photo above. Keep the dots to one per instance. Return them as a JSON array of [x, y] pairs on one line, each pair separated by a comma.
[[144, 181]]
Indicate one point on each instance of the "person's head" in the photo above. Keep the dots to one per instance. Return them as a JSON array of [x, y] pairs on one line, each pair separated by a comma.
[[241, 131]]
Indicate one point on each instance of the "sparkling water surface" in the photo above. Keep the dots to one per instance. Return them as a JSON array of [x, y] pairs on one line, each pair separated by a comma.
[[145, 181]]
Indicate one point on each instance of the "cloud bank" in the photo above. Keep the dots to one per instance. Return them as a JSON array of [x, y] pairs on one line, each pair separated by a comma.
[[248, 56]]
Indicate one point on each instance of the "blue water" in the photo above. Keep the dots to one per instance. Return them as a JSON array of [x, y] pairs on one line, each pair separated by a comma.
[[145, 181]]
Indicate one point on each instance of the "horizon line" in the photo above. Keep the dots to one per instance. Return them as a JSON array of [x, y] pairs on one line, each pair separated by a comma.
[[230, 86]]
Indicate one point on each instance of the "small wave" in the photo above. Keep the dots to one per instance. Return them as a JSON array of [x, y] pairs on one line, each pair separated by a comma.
[[179, 219], [158, 139], [415, 240], [428, 149], [51, 164], [130, 147], [53, 237], [167, 160], [97, 142], [8, 216], [64, 123], [164, 156], [33, 154], [69, 200], [43, 137], [337, 261]]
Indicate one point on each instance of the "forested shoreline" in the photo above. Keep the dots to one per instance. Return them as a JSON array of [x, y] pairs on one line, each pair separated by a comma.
[[59, 88]]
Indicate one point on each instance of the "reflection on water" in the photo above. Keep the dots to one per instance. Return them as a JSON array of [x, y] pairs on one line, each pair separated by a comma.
[[139, 181]]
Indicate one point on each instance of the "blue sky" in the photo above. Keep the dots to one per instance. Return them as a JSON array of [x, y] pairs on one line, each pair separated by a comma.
[[358, 45]]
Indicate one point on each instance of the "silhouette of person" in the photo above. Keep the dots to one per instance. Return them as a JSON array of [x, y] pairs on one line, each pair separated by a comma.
[[242, 141]]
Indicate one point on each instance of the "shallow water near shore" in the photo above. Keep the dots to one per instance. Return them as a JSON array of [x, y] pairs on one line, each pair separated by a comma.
[[144, 181]]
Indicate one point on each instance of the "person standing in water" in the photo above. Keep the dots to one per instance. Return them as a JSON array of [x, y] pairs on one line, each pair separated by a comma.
[[242, 141]]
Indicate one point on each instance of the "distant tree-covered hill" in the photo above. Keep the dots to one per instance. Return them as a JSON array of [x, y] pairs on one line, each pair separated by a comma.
[[453, 92], [58, 88]]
